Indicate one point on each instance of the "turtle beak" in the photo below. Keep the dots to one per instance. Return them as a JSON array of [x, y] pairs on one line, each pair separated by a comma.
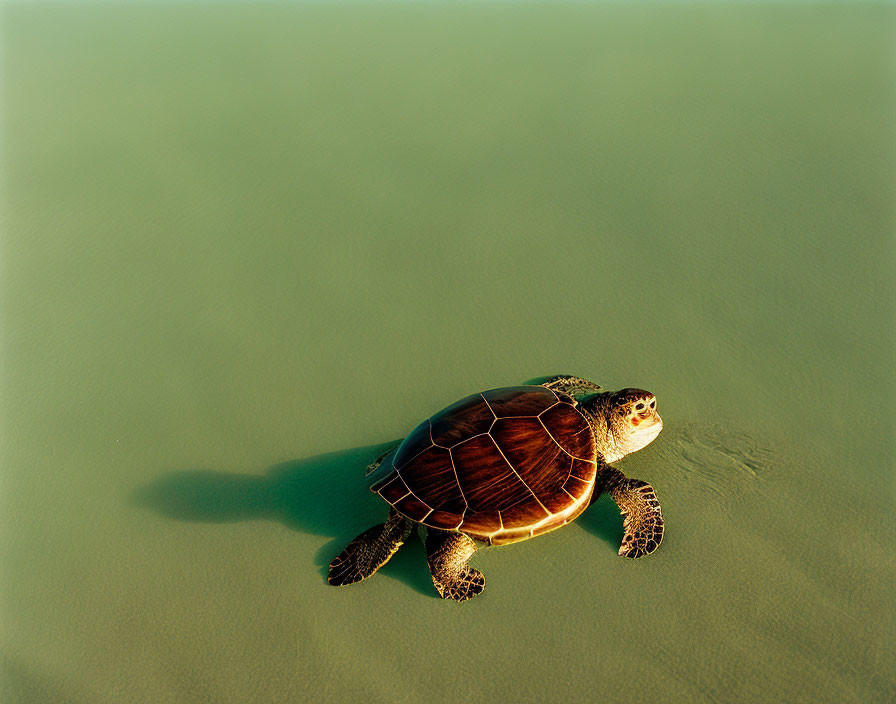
[[645, 418], [649, 424], [649, 415]]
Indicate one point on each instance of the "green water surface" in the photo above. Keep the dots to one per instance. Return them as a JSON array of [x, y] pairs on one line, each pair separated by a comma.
[[245, 245]]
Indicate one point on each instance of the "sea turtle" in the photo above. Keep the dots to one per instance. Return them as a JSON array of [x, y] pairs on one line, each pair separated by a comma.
[[505, 465]]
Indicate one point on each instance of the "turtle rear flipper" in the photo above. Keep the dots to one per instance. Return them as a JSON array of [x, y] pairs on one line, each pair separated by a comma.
[[643, 524], [369, 551], [447, 553], [375, 465]]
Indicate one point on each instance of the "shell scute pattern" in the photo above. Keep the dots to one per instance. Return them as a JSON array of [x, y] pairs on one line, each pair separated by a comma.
[[532, 453], [583, 470], [443, 519], [410, 504], [433, 480], [481, 522], [519, 401], [524, 514], [415, 443], [461, 421], [575, 486], [500, 466], [575, 438], [559, 502], [392, 488], [485, 476]]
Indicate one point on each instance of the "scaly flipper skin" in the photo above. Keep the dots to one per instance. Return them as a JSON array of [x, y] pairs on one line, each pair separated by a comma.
[[643, 524], [573, 385], [369, 551], [447, 553]]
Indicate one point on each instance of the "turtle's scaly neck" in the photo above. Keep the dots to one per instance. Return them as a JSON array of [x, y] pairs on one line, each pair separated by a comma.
[[594, 408]]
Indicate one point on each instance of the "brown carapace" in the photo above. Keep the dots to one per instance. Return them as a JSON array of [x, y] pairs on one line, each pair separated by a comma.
[[500, 466]]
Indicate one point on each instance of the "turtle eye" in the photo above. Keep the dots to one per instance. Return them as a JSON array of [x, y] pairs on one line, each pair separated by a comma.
[[639, 406], [653, 403]]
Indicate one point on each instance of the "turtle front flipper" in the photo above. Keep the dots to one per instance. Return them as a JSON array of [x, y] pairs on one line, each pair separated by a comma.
[[447, 553], [643, 524], [573, 385], [369, 551]]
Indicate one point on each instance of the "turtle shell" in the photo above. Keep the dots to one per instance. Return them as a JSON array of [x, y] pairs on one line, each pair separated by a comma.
[[500, 466]]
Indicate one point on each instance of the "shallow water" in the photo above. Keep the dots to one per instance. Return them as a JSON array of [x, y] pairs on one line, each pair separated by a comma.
[[247, 246]]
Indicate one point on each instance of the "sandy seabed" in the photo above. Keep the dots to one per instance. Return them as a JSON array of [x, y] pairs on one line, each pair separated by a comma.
[[247, 245]]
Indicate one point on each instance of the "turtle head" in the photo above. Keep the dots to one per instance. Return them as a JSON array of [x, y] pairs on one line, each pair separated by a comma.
[[624, 421]]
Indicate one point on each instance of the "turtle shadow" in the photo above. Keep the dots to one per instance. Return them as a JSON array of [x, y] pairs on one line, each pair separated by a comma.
[[603, 520], [320, 495]]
